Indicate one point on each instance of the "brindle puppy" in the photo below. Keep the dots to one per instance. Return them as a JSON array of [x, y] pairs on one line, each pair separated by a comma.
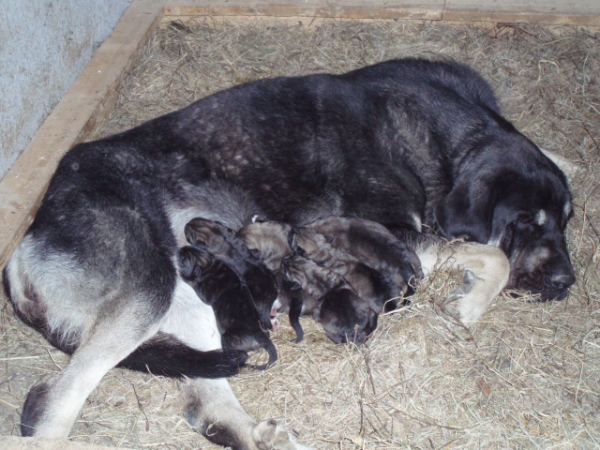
[[325, 295], [270, 242], [237, 315], [224, 243]]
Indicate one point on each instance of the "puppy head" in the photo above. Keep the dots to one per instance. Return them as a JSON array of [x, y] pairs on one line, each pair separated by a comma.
[[308, 243], [196, 266], [193, 261], [346, 317], [262, 287], [518, 200], [268, 240], [305, 274], [214, 235]]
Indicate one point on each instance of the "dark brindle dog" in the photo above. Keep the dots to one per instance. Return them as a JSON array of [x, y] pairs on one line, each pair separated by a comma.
[[410, 144]]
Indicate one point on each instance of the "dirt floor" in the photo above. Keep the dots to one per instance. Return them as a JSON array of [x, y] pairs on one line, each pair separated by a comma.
[[526, 377]]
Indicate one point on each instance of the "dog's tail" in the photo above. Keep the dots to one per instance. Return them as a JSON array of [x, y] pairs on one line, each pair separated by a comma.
[[166, 355]]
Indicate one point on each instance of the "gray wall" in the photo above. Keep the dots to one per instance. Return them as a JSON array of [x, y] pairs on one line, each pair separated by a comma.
[[44, 45]]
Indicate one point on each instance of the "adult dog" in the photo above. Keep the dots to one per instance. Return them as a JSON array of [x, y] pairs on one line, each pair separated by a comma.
[[411, 144]]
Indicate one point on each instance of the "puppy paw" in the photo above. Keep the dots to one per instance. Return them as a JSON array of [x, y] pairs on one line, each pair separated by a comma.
[[268, 435]]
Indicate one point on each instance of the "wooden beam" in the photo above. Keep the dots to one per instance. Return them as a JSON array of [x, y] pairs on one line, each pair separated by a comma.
[[347, 9], [550, 12], [84, 107], [543, 12]]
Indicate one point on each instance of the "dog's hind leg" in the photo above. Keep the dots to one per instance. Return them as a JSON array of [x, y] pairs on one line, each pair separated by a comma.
[[52, 406], [212, 409]]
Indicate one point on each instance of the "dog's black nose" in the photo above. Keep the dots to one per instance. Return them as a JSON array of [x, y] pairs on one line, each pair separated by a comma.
[[562, 281]]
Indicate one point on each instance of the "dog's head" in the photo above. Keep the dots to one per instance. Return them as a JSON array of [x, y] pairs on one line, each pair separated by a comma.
[[515, 198]]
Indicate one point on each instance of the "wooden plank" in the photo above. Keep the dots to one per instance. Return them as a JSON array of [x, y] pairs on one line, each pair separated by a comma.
[[574, 12], [83, 108], [347, 9], [546, 12]]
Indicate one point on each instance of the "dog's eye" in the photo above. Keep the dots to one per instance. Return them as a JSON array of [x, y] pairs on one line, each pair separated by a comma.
[[527, 224], [526, 219]]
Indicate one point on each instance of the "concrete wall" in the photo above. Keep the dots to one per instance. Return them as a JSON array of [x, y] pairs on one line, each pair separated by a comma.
[[44, 44]]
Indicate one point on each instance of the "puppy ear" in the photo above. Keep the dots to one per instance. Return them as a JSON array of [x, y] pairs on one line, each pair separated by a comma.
[[192, 232], [467, 211], [293, 239], [188, 262]]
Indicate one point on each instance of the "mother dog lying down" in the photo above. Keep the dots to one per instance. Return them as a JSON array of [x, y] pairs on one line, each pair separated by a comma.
[[411, 144]]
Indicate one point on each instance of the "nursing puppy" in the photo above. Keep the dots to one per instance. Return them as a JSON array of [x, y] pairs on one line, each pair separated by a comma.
[[276, 242], [345, 316], [238, 318], [270, 242], [224, 243], [377, 279]]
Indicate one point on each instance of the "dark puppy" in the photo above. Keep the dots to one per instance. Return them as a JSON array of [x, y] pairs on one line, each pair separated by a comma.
[[224, 243], [219, 285], [325, 295]]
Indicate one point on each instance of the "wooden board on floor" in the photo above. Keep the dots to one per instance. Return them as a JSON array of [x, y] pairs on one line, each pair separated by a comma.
[[21, 443], [575, 12], [347, 9], [547, 12]]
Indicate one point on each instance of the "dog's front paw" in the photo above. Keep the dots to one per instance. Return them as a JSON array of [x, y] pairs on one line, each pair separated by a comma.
[[268, 435], [462, 303]]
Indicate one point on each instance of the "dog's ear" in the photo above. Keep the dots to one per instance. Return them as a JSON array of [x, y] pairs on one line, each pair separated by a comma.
[[467, 211]]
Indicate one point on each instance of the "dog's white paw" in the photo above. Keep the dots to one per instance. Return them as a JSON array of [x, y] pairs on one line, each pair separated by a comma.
[[268, 435], [463, 303]]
